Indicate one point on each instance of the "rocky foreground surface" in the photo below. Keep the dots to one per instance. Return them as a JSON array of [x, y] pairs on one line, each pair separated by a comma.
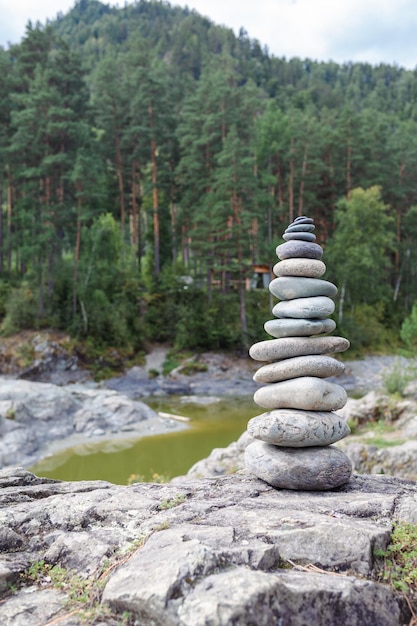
[[212, 552]]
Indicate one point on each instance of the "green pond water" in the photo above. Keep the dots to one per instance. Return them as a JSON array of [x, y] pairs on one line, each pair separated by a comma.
[[214, 425]]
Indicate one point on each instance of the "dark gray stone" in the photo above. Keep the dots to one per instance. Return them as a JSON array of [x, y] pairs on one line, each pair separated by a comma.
[[303, 219], [300, 236], [303, 227], [299, 249], [312, 469]]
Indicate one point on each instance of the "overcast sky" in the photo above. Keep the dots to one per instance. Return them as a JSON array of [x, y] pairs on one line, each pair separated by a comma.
[[376, 31]]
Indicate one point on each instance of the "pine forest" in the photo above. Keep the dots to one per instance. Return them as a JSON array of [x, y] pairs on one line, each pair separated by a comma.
[[150, 161]]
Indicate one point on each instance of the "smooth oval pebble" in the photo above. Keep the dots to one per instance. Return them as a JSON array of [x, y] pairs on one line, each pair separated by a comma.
[[311, 365], [298, 429], [311, 469], [300, 236], [299, 249], [300, 227], [307, 393], [288, 327], [309, 268], [303, 219], [287, 347], [310, 308], [290, 287]]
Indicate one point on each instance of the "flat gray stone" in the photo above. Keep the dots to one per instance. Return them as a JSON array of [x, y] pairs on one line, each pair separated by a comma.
[[300, 236], [303, 249], [303, 219], [307, 393], [310, 308], [309, 268], [298, 429], [287, 347], [289, 327], [300, 227], [309, 365], [290, 287], [310, 469]]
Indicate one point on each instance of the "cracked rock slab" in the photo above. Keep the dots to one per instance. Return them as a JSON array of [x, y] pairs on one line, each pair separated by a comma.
[[211, 552]]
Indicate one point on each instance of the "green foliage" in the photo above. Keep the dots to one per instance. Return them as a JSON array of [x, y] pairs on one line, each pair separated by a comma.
[[189, 369], [408, 330], [400, 561], [367, 330], [131, 138], [172, 502], [397, 378], [359, 249], [83, 593], [21, 310]]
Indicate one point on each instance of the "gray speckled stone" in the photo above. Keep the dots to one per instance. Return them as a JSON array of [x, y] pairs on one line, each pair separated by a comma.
[[311, 365], [290, 287], [286, 347], [300, 236], [300, 227], [299, 249], [288, 327], [307, 393], [312, 469], [298, 429], [310, 268], [317, 307]]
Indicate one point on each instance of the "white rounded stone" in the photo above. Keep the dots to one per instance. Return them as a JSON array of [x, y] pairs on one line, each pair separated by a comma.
[[308, 393], [298, 429], [310, 365], [289, 327], [287, 347], [290, 287], [309, 268], [311, 469], [316, 307]]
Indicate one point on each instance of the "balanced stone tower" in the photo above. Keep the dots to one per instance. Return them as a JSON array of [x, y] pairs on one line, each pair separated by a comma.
[[293, 448]]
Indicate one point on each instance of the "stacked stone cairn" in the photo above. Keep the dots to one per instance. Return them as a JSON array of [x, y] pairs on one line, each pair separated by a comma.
[[292, 447]]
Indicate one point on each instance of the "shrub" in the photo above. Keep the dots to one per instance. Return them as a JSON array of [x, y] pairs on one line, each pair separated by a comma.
[[408, 330], [21, 310]]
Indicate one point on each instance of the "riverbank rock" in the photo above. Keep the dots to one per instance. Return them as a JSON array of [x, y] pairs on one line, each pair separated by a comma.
[[34, 416], [215, 552], [385, 442]]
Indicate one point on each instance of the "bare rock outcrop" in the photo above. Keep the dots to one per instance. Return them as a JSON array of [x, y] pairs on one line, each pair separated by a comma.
[[220, 551]]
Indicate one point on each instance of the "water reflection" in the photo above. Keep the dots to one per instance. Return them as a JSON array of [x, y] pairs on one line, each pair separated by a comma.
[[213, 425]]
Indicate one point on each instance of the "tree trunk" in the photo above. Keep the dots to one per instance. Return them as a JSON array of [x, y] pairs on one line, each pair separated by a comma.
[[1, 228], [348, 169], [119, 171], [291, 184], [77, 250], [154, 194], [302, 184], [9, 220]]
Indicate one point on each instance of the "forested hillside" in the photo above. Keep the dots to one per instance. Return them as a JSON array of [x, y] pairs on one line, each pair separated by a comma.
[[150, 159]]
